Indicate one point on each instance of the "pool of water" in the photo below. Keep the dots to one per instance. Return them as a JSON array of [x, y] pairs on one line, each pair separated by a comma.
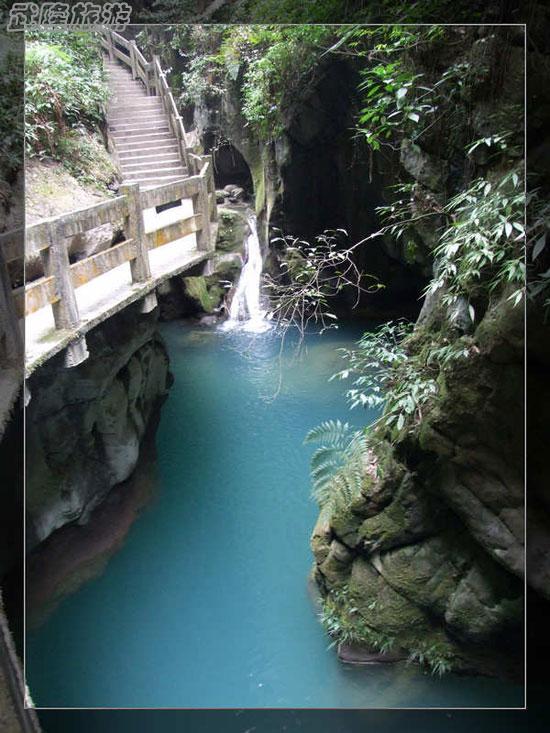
[[207, 604]]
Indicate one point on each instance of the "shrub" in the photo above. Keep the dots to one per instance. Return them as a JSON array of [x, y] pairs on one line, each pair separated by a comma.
[[64, 87]]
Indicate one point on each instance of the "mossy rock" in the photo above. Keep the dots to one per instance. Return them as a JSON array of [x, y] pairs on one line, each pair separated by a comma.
[[486, 603], [427, 573], [232, 230], [207, 297], [321, 536], [411, 515], [345, 525], [336, 567], [383, 608]]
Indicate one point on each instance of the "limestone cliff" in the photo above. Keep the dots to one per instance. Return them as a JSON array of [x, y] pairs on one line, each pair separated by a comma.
[[84, 425]]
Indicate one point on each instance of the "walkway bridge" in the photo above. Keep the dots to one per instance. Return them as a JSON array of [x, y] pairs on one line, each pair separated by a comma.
[[167, 229]]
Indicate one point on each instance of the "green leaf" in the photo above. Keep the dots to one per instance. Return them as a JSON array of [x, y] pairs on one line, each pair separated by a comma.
[[539, 246], [413, 116]]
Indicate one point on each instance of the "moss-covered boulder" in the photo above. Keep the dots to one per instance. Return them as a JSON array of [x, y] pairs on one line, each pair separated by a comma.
[[380, 605], [206, 296], [232, 230]]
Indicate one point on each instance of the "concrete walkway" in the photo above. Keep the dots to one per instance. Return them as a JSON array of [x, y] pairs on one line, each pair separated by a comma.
[[106, 295]]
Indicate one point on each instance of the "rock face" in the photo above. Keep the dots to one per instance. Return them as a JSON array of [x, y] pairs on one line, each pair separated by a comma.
[[432, 551], [431, 554], [84, 425]]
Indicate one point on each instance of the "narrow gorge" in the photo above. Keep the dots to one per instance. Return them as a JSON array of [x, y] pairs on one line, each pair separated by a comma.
[[291, 474]]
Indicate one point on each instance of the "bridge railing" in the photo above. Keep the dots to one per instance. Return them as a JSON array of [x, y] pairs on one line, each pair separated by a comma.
[[49, 239], [154, 80]]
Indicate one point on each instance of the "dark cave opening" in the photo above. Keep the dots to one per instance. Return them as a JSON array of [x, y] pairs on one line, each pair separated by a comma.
[[230, 167]]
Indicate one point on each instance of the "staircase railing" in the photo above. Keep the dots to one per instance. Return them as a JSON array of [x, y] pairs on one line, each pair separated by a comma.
[[49, 239], [154, 80]]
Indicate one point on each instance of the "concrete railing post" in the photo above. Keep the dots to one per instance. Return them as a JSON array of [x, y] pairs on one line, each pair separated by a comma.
[[212, 208], [141, 269], [9, 324], [111, 45], [133, 59], [201, 206], [65, 310]]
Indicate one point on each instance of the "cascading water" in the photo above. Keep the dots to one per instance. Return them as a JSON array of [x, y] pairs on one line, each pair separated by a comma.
[[246, 310]]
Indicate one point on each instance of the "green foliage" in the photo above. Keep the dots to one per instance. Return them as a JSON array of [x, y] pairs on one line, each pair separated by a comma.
[[64, 88], [435, 655], [538, 229], [278, 63], [11, 112], [85, 157], [384, 374], [482, 251], [338, 465], [312, 274], [345, 625], [396, 99]]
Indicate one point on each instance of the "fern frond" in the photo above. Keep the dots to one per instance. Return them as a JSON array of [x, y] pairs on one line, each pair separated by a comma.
[[325, 453], [333, 433], [337, 468]]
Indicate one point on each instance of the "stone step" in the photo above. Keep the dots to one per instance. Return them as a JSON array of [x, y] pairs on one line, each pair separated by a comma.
[[141, 105], [137, 116], [176, 170], [130, 86], [154, 180], [148, 157], [154, 124], [124, 143], [128, 89], [138, 145], [158, 133], [130, 98], [156, 165], [145, 103], [148, 150]]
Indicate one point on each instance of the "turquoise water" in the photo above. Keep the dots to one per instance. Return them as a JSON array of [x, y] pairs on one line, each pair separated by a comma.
[[207, 604]]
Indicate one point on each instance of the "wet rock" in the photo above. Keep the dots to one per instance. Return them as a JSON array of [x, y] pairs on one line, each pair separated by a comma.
[[208, 321], [360, 654], [233, 229]]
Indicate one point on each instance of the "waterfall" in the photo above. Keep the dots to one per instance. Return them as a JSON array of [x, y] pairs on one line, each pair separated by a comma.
[[246, 310]]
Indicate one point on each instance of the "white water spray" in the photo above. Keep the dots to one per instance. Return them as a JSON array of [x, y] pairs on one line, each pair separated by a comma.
[[246, 310]]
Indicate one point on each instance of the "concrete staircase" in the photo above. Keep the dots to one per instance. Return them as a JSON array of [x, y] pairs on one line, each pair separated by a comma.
[[147, 150]]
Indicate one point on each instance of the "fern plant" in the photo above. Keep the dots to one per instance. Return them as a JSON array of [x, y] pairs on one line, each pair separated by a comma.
[[338, 464]]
